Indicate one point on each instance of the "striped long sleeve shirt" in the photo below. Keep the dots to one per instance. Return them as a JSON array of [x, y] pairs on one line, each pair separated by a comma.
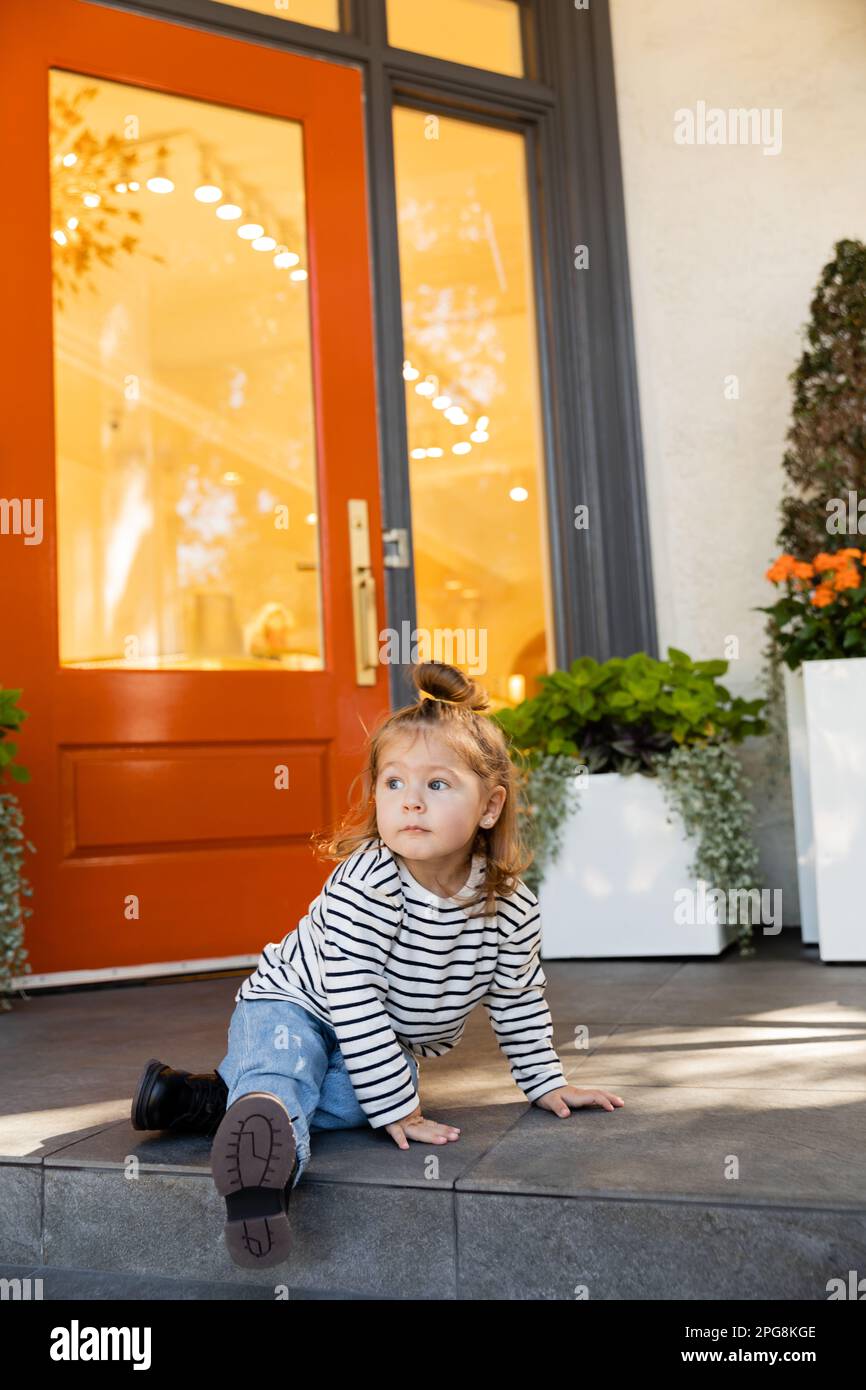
[[390, 965]]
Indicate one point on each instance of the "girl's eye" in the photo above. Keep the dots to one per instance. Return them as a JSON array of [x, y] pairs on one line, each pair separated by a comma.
[[389, 780]]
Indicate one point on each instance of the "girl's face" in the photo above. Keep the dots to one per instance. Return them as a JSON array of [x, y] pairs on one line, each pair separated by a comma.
[[423, 783]]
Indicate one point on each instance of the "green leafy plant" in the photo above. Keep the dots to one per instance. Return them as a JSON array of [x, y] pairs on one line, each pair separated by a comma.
[[13, 885], [669, 719], [11, 718], [618, 715]]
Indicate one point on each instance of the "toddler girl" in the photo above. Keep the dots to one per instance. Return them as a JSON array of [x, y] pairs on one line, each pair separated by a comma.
[[423, 918]]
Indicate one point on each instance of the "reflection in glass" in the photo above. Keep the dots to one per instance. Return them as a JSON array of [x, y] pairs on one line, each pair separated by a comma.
[[480, 33], [185, 447], [472, 398]]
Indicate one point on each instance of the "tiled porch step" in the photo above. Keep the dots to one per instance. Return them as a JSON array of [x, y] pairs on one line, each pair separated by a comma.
[[524, 1206], [89, 1285]]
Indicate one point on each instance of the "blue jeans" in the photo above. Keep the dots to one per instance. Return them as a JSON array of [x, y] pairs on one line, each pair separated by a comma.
[[277, 1045]]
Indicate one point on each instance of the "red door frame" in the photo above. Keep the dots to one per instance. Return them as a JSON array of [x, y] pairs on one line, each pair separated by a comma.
[[157, 787]]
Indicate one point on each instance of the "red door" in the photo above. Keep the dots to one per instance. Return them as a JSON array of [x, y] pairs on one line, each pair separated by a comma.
[[189, 423]]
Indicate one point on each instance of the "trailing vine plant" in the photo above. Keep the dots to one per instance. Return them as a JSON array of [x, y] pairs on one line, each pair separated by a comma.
[[13, 885], [548, 797], [707, 788]]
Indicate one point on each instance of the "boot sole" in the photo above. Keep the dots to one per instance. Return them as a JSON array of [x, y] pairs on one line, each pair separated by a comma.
[[252, 1160], [141, 1099]]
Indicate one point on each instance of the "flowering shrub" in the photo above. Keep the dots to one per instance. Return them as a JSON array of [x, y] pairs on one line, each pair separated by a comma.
[[822, 612]]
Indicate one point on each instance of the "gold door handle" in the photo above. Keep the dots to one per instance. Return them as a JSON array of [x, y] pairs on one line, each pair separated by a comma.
[[364, 616]]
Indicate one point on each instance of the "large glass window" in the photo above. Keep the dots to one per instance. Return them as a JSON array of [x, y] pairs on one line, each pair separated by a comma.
[[185, 446], [480, 33], [472, 397]]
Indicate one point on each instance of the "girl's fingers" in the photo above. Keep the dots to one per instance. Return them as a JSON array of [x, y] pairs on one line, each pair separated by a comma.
[[609, 1098], [428, 1131]]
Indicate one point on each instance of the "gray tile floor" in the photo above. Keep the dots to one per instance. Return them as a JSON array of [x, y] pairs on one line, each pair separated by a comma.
[[736, 1168]]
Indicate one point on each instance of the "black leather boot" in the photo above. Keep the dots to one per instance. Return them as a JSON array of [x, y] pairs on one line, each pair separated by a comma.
[[189, 1102], [254, 1159]]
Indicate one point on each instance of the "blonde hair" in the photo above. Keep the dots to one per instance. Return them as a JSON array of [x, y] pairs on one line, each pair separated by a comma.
[[482, 746]]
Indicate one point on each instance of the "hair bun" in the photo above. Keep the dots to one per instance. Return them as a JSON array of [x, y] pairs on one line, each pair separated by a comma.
[[450, 683]]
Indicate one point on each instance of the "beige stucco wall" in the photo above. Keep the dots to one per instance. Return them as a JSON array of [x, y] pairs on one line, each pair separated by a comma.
[[726, 244]]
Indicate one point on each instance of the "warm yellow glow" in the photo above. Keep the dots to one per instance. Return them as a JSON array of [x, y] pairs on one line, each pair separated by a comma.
[[186, 474], [479, 33], [481, 567], [324, 14]]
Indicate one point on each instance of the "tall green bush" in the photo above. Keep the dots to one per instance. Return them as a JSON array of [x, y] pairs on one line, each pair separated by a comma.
[[827, 438]]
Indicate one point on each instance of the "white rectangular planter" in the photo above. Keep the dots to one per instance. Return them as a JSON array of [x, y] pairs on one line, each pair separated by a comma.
[[836, 725], [612, 890], [801, 795]]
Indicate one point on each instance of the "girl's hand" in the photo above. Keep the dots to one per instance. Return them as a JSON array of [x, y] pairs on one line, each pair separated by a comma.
[[422, 1130], [564, 1097]]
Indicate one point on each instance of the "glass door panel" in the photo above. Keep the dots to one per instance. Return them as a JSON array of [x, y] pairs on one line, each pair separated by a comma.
[[324, 14], [479, 33], [472, 399], [186, 454]]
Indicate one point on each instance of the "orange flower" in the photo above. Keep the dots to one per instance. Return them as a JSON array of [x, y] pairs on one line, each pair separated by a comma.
[[801, 569], [823, 561], [781, 568], [823, 595], [851, 550], [847, 578]]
